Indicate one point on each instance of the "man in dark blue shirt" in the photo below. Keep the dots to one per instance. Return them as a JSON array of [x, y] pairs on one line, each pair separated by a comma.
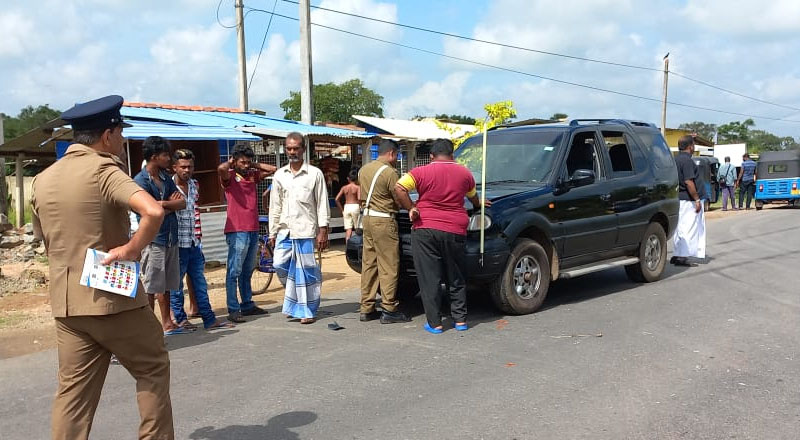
[[160, 264], [747, 180], [690, 235]]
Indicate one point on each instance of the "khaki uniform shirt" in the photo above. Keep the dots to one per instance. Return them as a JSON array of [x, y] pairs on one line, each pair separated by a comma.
[[298, 202], [383, 194], [81, 202]]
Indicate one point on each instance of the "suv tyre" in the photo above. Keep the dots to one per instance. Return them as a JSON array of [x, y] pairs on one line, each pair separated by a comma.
[[522, 287], [652, 256]]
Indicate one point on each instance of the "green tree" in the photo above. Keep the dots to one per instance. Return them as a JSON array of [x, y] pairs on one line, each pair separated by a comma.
[[455, 119], [703, 129], [760, 140], [28, 118], [735, 132], [558, 116], [498, 113], [337, 102]]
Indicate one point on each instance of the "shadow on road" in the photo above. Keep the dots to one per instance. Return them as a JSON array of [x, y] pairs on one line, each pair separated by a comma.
[[198, 337], [277, 428]]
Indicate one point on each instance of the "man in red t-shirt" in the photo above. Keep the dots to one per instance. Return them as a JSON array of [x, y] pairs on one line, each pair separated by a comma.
[[439, 231], [240, 176]]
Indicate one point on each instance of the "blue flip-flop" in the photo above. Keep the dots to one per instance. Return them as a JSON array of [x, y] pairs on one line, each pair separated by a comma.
[[177, 331], [433, 330], [461, 327]]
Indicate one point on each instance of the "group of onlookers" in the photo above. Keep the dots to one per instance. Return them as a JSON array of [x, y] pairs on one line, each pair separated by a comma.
[[745, 181]]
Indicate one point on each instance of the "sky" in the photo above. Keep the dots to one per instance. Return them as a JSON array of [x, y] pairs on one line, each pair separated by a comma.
[[60, 52]]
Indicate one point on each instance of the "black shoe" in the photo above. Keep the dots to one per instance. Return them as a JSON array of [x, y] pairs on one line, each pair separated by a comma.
[[394, 317], [684, 262], [236, 317], [371, 316], [673, 260], [255, 311]]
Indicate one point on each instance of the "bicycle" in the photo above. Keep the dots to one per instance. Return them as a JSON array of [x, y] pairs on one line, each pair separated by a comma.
[[263, 270]]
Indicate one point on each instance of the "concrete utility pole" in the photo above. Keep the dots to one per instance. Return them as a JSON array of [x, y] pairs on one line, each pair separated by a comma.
[[3, 186], [20, 191], [239, 5], [664, 100], [306, 78]]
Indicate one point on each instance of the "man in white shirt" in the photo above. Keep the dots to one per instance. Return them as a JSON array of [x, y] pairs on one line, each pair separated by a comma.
[[298, 220]]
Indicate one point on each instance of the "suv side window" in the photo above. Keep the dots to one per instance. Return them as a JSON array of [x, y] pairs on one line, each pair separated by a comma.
[[618, 152], [583, 155], [656, 147]]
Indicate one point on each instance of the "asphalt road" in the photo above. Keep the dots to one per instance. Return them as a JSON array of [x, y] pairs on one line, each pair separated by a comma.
[[707, 353]]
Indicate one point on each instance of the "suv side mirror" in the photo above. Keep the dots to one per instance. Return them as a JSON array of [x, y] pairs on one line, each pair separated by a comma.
[[581, 177]]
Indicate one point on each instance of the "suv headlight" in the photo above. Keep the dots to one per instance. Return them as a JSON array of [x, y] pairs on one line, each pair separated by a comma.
[[475, 222]]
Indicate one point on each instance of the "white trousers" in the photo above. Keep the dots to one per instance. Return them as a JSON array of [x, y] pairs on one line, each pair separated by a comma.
[[690, 237]]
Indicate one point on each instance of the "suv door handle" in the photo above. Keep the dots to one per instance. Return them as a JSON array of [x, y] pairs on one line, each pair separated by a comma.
[[605, 197]]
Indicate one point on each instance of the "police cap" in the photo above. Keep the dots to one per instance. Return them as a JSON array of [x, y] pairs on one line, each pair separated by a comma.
[[99, 114]]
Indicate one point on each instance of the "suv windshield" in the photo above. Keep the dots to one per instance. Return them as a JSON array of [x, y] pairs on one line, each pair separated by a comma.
[[511, 156]]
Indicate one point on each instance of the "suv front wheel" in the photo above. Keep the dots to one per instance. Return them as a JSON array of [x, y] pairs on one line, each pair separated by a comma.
[[652, 256], [522, 287]]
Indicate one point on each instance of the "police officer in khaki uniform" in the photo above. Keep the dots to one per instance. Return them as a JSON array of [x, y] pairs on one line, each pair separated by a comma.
[[380, 261], [80, 202]]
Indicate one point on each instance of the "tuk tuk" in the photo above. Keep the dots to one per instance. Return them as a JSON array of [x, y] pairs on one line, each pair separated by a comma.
[[778, 178], [707, 183]]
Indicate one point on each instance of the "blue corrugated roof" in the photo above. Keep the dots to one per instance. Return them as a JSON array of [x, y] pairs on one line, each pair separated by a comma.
[[242, 121], [143, 129]]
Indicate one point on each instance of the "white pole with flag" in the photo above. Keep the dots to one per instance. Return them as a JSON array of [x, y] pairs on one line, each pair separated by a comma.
[[483, 189]]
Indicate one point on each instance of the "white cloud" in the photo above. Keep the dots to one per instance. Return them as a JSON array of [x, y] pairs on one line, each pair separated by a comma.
[[432, 97], [745, 17], [14, 32]]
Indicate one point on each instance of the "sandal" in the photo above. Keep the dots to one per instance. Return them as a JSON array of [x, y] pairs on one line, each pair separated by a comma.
[[308, 320], [187, 325], [219, 325], [176, 331]]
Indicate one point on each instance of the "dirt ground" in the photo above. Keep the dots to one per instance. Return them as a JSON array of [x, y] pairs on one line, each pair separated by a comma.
[[26, 325]]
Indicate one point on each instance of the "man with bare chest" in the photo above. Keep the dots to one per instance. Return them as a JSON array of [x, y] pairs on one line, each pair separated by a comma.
[[351, 193]]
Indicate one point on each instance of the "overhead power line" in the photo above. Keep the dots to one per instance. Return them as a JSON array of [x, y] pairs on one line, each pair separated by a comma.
[[506, 69], [478, 40], [543, 52], [263, 40]]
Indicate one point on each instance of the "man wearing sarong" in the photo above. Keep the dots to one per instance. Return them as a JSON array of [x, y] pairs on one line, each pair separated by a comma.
[[690, 237], [298, 220]]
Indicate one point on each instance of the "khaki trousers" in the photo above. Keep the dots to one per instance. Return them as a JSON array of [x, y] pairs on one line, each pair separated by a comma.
[[85, 345], [380, 263]]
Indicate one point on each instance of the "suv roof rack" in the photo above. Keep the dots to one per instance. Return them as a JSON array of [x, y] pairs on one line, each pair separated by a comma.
[[532, 121], [576, 122]]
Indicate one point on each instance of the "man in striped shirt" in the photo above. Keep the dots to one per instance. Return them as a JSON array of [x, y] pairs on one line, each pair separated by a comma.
[[192, 261]]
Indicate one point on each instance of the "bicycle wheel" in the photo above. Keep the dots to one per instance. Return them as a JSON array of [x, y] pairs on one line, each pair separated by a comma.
[[262, 270]]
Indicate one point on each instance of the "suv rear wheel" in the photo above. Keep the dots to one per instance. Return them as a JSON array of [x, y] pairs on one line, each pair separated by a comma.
[[522, 287], [652, 256]]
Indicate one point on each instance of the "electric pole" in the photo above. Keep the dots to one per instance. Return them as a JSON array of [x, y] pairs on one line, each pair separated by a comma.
[[664, 100], [306, 78], [3, 186], [239, 5]]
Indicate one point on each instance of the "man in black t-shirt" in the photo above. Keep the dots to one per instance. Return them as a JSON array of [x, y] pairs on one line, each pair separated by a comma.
[[690, 236]]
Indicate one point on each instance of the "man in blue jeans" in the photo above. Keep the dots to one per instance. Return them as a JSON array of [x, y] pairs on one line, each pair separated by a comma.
[[747, 180], [240, 176], [192, 261]]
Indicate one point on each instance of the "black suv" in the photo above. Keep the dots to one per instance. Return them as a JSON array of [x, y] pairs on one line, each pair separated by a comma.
[[567, 199]]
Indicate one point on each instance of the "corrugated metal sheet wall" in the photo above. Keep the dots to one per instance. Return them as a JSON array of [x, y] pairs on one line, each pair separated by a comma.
[[214, 246]]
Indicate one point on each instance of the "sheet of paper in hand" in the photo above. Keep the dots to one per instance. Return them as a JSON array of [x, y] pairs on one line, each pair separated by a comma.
[[120, 277]]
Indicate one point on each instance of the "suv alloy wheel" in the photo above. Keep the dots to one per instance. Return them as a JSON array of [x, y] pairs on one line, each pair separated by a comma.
[[652, 256], [522, 287]]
